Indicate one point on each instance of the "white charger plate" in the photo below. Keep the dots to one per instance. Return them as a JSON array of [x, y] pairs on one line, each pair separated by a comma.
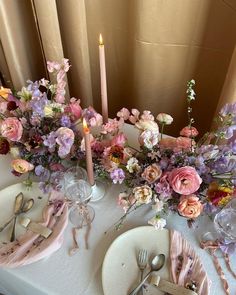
[[7, 200], [120, 272]]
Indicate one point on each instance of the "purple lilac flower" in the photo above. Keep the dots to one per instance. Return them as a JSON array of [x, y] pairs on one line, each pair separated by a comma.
[[39, 170], [38, 104], [50, 140], [65, 121], [228, 131], [117, 175], [228, 109]]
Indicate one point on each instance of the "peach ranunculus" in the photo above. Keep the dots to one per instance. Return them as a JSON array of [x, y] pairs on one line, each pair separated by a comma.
[[185, 180], [190, 206], [21, 166], [11, 128], [189, 132], [142, 194], [152, 173]]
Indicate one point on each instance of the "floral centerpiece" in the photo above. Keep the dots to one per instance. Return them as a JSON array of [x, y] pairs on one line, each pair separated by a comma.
[[40, 128], [180, 174]]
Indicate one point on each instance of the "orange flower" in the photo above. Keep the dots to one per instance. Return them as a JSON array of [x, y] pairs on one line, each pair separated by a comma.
[[4, 92]]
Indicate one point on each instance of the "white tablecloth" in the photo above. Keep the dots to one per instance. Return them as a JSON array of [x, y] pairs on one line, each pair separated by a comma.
[[80, 274]]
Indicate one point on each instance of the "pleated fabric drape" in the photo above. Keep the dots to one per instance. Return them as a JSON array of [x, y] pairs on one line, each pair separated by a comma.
[[153, 47]]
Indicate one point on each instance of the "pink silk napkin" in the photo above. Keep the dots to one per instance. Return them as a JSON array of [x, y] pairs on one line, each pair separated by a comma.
[[31, 247], [186, 266]]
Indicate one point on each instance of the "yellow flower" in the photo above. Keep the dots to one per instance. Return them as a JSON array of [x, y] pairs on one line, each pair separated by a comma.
[[4, 92], [48, 111]]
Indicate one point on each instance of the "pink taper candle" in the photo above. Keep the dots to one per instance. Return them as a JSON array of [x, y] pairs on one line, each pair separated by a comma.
[[103, 80], [88, 151]]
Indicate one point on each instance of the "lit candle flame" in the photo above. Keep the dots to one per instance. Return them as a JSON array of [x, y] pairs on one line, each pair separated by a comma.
[[85, 126], [100, 40]]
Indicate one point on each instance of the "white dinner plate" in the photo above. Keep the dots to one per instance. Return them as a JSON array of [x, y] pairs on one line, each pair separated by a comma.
[[7, 200], [120, 272]]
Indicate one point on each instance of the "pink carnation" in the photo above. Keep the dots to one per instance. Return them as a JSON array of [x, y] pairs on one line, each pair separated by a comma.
[[185, 180], [12, 129], [189, 132]]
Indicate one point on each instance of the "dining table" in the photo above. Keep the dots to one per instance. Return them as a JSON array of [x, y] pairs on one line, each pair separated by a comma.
[[81, 274]]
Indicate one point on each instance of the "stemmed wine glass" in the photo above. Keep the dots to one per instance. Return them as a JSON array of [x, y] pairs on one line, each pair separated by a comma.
[[224, 225], [78, 192]]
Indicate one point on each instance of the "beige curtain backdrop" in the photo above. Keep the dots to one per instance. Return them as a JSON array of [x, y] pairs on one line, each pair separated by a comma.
[[153, 47]]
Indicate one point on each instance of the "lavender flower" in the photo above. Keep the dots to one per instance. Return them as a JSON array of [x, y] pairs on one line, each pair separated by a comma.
[[65, 140], [65, 121], [228, 109], [42, 172], [38, 104], [117, 175], [50, 140]]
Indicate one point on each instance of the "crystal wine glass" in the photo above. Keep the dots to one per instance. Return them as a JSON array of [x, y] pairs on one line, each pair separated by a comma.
[[79, 193], [73, 174]]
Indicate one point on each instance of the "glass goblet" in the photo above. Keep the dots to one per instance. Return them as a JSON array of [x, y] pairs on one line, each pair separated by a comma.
[[79, 193], [74, 174]]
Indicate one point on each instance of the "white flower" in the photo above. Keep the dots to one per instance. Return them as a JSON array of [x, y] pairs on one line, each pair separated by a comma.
[[147, 124], [164, 118], [132, 165], [158, 206], [142, 194], [157, 222], [149, 138]]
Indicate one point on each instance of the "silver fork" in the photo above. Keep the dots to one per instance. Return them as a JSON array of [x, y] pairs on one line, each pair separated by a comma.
[[142, 263]]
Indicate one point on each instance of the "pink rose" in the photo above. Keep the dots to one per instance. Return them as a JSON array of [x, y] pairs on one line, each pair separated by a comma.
[[21, 166], [190, 206], [152, 173], [11, 128], [189, 132], [119, 139], [185, 180]]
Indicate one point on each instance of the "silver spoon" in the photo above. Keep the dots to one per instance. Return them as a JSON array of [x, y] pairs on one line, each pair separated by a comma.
[[156, 264]]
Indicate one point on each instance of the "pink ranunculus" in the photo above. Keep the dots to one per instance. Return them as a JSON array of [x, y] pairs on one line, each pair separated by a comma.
[[119, 139], [21, 166], [152, 173], [190, 206], [189, 132], [75, 108], [11, 128], [185, 180]]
